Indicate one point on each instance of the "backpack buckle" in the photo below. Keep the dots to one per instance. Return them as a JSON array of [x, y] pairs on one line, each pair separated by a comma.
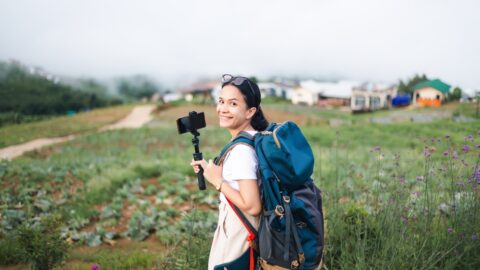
[[301, 257], [295, 264], [286, 199], [279, 211]]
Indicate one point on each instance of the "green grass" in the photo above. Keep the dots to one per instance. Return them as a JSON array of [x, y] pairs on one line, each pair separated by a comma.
[[392, 136], [471, 109], [62, 126]]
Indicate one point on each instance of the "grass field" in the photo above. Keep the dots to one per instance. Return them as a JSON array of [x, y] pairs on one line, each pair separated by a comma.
[[62, 126], [398, 196]]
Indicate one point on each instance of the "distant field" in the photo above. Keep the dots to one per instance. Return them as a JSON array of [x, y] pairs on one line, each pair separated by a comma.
[[62, 126], [129, 199]]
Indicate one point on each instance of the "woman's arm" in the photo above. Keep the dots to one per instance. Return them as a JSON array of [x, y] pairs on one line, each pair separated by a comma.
[[247, 199]]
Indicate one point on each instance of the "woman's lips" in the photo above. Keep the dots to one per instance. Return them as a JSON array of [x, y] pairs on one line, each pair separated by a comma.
[[225, 118]]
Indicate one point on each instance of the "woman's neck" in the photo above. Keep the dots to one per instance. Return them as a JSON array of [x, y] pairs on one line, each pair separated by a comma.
[[235, 132]]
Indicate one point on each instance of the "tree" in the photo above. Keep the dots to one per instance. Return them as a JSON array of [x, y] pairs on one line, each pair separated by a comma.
[[456, 94], [137, 87], [25, 93], [407, 88], [254, 79]]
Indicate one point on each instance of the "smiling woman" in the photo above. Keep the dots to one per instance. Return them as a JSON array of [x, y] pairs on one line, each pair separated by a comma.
[[238, 110]]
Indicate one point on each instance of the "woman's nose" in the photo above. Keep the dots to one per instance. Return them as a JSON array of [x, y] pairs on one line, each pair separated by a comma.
[[222, 107]]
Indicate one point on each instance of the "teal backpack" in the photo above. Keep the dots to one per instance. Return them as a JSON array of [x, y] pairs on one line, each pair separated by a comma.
[[291, 232]]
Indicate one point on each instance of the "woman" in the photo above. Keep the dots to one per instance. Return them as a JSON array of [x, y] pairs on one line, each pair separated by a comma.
[[238, 110]]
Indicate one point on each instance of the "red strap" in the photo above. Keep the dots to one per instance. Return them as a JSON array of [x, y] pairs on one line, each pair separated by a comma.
[[250, 237]]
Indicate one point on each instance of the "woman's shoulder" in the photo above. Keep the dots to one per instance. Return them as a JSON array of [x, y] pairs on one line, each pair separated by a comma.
[[242, 148], [242, 159]]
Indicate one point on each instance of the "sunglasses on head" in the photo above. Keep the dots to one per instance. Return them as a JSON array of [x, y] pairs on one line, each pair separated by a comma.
[[237, 80]]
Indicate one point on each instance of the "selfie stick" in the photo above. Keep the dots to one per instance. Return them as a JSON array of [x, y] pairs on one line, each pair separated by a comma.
[[198, 156]]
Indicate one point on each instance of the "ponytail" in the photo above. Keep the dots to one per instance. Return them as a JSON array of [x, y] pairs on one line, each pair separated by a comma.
[[259, 122]]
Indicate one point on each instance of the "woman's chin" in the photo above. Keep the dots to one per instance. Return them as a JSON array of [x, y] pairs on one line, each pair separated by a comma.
[[223, 124]]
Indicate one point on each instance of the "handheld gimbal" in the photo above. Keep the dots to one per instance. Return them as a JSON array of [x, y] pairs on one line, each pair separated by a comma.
[[192, 123]]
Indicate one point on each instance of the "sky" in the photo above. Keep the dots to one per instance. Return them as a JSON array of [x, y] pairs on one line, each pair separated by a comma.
[[179, 41]]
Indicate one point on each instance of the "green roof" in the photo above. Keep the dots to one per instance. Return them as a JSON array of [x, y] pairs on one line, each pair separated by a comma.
[[437, 84]]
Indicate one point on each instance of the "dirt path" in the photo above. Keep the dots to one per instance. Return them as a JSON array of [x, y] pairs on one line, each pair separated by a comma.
[[139, 116]]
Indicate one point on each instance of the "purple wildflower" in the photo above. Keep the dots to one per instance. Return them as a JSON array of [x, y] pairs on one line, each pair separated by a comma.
[[477, 146], [454, 155], [466, 148], [445, 154], [450, 230], [476, 176], [469, 138], [426, 152], [417, 194], [474, 237], [420, 178], [95, 267]]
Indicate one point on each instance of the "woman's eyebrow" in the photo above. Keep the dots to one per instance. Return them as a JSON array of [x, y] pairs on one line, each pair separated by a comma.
[[232, 99]]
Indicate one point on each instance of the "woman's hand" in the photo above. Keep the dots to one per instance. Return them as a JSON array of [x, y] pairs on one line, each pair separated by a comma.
[[211, 172]]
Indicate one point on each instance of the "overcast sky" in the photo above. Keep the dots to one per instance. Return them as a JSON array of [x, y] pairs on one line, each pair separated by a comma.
[[175, 41]]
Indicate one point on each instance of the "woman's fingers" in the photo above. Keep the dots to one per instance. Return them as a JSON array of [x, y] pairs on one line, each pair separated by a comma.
[[196, 168], [211, 172], [197, 164]]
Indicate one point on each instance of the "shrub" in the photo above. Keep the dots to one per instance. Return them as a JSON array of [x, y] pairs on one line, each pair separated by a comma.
[[41, 243], [10, 251]]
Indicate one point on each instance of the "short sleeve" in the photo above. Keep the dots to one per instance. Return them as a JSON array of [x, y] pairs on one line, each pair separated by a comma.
[[243, 163]]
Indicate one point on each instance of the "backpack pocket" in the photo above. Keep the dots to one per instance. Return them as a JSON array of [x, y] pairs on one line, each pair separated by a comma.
[[279, 247]]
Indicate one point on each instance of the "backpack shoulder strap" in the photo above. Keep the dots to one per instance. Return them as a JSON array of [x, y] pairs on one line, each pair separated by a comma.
[[242, 138]]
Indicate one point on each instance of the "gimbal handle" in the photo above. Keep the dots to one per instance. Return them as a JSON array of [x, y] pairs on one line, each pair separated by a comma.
[[198, 156], [200, 177]]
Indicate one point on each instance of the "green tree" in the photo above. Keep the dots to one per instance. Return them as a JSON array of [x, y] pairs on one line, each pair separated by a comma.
[[407, 88], [25, 93], [137, 87], [254, 79], [456, 94]]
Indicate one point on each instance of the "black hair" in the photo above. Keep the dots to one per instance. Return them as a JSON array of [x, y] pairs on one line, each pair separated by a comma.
[[251, 93]]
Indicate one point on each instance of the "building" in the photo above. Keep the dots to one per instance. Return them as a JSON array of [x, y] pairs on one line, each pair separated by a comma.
[[372, 96], [322, 94], [304, 96], [204, 90], [277, 89], [430, 93]]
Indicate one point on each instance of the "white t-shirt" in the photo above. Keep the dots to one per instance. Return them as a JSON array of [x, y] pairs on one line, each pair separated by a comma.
[[241, 163]]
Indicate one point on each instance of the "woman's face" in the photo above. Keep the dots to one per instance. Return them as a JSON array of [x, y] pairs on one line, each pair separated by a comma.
[[232, 110]]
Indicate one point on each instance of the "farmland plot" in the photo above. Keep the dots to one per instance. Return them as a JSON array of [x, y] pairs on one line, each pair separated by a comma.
[[401, 196]]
